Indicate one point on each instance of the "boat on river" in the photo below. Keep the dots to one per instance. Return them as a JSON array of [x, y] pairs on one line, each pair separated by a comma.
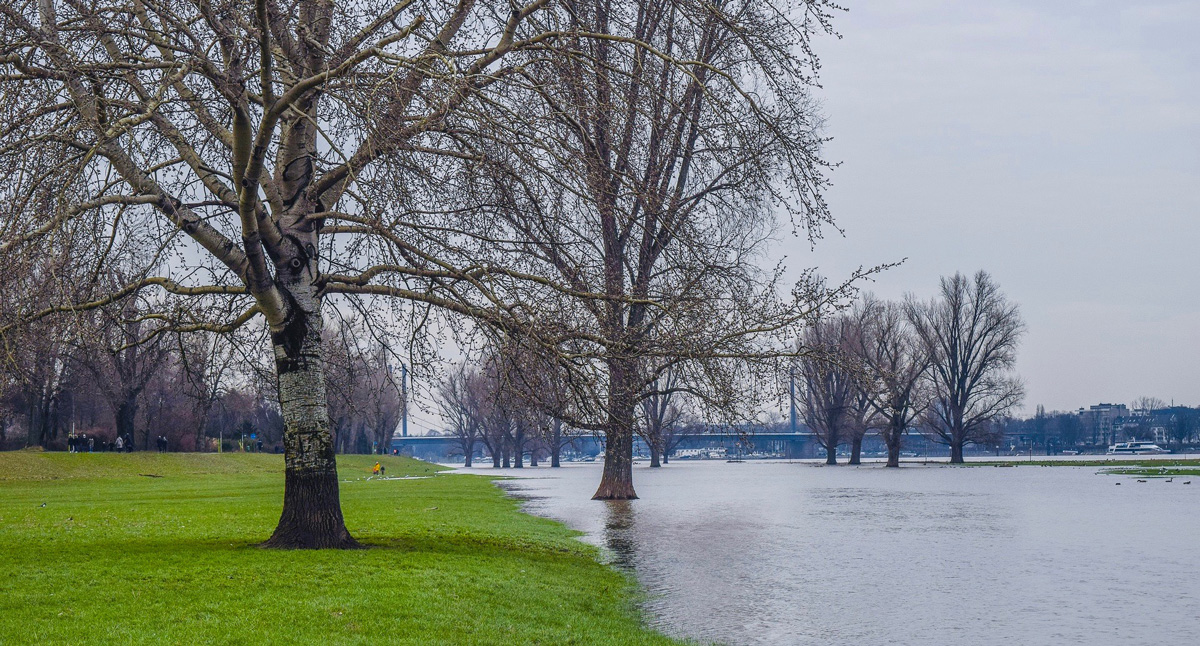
[[1136, 448]]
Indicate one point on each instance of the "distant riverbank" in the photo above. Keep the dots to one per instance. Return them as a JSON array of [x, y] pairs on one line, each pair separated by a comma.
[[160, 549]]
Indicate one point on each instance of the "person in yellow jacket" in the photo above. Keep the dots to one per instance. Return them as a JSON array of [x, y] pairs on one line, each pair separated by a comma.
[[376, 469]]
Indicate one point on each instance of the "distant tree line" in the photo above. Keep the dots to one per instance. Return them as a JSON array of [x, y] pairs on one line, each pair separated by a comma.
[[512, 405], [116, 371], [942, 367]]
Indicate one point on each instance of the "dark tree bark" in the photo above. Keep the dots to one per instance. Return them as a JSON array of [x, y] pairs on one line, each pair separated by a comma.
[[856, 450], [892, 439], [556, 444], [126, 415], [616, 483]]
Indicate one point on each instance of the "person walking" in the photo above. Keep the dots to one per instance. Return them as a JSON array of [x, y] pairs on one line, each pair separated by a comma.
[[120, 443], [91, 444]]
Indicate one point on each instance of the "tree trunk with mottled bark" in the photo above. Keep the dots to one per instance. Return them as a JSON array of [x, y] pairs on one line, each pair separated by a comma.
[[312, 512], [856, 450]]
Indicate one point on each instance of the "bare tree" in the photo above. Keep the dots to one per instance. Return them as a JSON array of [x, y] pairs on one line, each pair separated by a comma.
[[111, 349], [971, 332], [830, 383], [1183, 424], [237, 133], [660, 416], [861, 415], [364, 400], [456, 400], [282, 153], [642, 182], [207, 363], [894, 362]]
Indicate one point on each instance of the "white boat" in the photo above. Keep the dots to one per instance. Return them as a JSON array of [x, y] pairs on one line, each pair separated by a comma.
[[1136, 448]]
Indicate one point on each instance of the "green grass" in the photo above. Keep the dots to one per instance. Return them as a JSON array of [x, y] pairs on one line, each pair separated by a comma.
[[93, 552], [1156, 472], [1123, 462]]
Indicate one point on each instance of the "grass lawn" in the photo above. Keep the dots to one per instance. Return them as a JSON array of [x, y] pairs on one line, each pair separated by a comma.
[[1148, 463], [94, 550]]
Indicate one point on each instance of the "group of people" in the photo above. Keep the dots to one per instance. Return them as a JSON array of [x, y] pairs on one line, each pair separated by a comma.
[[163, 444], [81, 443]]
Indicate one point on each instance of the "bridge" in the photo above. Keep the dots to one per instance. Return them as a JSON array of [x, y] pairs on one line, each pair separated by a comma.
[[789, 445]]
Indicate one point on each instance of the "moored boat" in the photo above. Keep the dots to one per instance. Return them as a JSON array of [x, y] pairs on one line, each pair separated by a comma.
[[1136, 448]]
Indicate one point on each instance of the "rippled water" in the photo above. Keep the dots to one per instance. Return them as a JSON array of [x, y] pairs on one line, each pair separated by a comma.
[[795, 553]]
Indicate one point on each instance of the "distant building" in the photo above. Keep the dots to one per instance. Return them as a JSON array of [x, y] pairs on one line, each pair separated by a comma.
[[1102, 421]]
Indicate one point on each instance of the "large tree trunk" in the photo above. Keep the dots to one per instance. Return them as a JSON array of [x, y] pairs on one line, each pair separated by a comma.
[[665, 456], [856, 450], [654, 453], [892, 440], [467, 455], [956, 451], [312, 512], [831, 453], [125, 415], [617, 481], [495, 459]]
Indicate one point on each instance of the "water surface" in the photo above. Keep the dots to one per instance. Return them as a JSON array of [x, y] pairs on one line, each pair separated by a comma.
[[796, 553]]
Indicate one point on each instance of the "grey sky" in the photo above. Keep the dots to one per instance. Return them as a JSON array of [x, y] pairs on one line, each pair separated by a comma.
[[1054, 144]]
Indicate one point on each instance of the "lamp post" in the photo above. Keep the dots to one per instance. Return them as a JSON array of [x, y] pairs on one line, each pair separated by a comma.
[[404, 399]]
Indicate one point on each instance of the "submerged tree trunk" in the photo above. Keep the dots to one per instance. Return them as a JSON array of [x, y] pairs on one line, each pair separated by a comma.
[[617, 481], [556, 445], [665, 456], [312, 512], [856, 450], [654, 453]]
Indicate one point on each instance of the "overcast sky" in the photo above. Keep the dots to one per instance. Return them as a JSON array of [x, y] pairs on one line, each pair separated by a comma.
[[1054, 144]]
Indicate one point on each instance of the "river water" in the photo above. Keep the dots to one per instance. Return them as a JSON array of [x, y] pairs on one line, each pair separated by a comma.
[[798, 553]]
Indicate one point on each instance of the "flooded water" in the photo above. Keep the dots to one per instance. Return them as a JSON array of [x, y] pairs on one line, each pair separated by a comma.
[[796, 553]]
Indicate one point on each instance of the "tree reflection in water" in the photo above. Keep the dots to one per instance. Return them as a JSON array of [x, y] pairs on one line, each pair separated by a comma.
[[619, 539]]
